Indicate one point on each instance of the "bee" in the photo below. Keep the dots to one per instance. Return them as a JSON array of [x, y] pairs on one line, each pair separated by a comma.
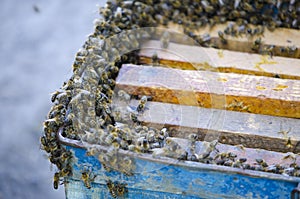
[[138, 128], [271, 25], [133, 117], [194, 157], [283, 132], [269, 50], [133, 148], [226, 156], [237, 106], [240, 146], [66, 171], [193, 137], [120, 188], [36, 8], [291, 50], [53, 146], [56, 110], [228, 29], [155, 59], [259, 30], [151, 136], [237, 164], [54, 95], [228, 163], [109, 139], [126, 133], [289, 171], [134, 42], [56, 180], [243, 160], [206, 38], [207, 7], [221, 36], [164, 132], [142, 144], [241, 29], [76, 66], [51, 124], [165, 39], [114, 69], [87, 177], [88, 137], [111, 188], [261, 162], [104, 159], [142, 103], [69, 119], [183, 155], [254, 20], [45, 145], [107, 168], [209, 147], [91, 151], [291, 156], [256, 44], [172, 145], [289, 143], [66, 156], [277, 76], [127, 166]]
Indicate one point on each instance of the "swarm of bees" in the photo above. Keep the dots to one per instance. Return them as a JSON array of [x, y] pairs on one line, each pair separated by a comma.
[[83, 107]]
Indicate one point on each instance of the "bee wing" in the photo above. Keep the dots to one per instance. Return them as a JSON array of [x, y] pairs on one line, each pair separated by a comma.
[[131, 109]]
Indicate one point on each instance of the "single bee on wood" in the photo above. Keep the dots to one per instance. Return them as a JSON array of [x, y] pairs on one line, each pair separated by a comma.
[[256, 45], [155, 59], [222, 37], [142, 104]]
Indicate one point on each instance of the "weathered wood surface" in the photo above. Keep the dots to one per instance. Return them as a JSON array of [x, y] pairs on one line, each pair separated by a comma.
[[199, 58], [279, 38], [229, 127], [245, 93]]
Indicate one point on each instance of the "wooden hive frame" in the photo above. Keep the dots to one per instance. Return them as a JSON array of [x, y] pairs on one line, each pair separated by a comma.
[[255, 97]]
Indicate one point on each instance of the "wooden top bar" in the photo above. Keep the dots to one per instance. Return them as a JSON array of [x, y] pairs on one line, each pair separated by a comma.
[[229, 127], [280, 38], [246, 93], [199, 58]]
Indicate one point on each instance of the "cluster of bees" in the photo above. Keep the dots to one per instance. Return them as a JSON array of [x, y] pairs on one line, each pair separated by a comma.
[[210, 154], [83, 107], [57, 154], [230, 159]]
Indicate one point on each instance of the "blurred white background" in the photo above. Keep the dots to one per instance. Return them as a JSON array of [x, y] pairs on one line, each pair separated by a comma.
[[38, 42]]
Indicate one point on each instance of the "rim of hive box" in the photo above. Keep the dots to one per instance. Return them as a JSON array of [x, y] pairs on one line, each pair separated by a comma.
[[171, 161]]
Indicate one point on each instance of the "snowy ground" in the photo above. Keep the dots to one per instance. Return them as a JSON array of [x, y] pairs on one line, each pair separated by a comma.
[[38, 41]]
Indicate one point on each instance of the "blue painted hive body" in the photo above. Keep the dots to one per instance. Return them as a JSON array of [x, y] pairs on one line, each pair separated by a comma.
[[170, 178]]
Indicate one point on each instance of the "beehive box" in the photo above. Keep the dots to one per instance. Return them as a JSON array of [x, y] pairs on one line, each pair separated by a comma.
[[175, 101]]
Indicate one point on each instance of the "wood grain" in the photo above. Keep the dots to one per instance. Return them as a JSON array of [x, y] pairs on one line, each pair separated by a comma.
[[229, 127], [199, 58], [245, 93], [280, 38]]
